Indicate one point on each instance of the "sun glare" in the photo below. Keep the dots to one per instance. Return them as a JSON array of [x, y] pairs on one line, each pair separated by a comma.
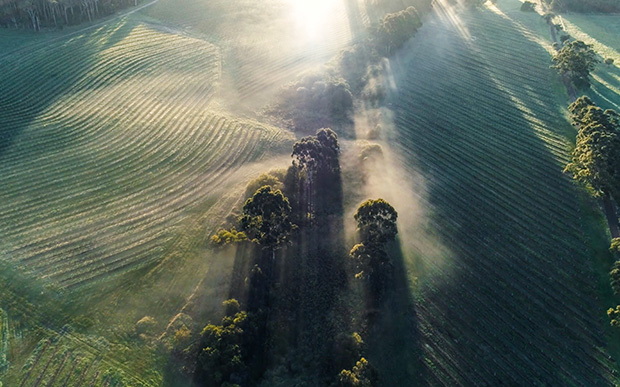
[[312, 16]]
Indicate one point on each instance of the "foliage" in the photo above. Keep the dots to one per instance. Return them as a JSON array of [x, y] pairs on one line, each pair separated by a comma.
[[224, 237], [595, 160], [395, 29], [528, 6], [261, 181], [586, 5], [316, 166], [221, 358], [265, 218], [353, 64], [369, 260], [376, 222], [609, 61], [614, 277], [362, 375], [347, 349], [614, 316], [316, 101], [37, 14], [614, 247], [576, 59], [317, 153]]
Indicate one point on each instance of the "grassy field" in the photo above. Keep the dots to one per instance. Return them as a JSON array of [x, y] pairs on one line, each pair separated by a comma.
[[116, 165], [124, 146], [520, 298]]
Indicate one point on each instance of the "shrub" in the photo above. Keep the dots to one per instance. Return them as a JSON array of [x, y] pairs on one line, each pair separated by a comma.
[[224, 237], [146, 325]]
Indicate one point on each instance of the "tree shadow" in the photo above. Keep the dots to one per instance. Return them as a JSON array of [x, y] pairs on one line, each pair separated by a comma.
[[516, 302], [34, 80], [393, 331]]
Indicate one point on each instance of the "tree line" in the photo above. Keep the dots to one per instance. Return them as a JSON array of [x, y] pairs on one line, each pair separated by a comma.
[[585, 6], [287, 210], [326, 98], [38, 14]]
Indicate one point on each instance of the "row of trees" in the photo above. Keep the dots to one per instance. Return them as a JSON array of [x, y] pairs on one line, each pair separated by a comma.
[[37, 14], [584, 5], [325, 99], [595, 163], [224, 356]]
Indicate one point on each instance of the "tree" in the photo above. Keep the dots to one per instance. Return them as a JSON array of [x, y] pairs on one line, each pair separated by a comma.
[[369, 260], [266, 218], [222, 356], [318, 153], [614, 316], [528, 6], [395, 29], [316, 158], [376, 222], [596, 158], [363, 374], [224, 237], [614, 274], [576, 59]]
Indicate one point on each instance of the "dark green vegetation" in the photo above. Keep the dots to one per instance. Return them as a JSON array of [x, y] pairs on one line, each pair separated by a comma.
[[123, 151], [528, 6], [596, 157], [585, 5], [38, 14], [325, 99], [576, 60]]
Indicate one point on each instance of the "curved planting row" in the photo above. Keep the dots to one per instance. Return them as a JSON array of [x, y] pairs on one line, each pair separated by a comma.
[[516, 302], [107, 146], [247, 32]]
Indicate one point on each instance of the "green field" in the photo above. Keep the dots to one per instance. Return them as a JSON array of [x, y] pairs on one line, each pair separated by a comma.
[[125, 145], [114, 158], [518, 300]]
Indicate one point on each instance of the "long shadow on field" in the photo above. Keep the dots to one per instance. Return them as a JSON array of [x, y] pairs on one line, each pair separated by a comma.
[[604, 92], [393, 331], [33, 81], [517, 303]]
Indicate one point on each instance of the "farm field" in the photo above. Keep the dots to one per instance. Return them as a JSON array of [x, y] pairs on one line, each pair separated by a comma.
[[124, 146], [113, 159], [255, 67], [517, 299]]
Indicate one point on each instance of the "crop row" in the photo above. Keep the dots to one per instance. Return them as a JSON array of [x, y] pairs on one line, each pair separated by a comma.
[[516, 300], [97, 181]]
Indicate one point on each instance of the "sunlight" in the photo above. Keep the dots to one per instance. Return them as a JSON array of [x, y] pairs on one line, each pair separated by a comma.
[[312, 16], [447, 12]]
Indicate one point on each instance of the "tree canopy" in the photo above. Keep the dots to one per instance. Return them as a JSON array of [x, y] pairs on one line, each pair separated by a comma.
[[266, 218], [576, 59], [596, 158], [222, 354], [376, 221], [395, 29], [317, 153]]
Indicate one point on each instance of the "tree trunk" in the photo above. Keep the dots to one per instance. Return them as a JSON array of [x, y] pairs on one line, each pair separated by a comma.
[[610, 213]]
